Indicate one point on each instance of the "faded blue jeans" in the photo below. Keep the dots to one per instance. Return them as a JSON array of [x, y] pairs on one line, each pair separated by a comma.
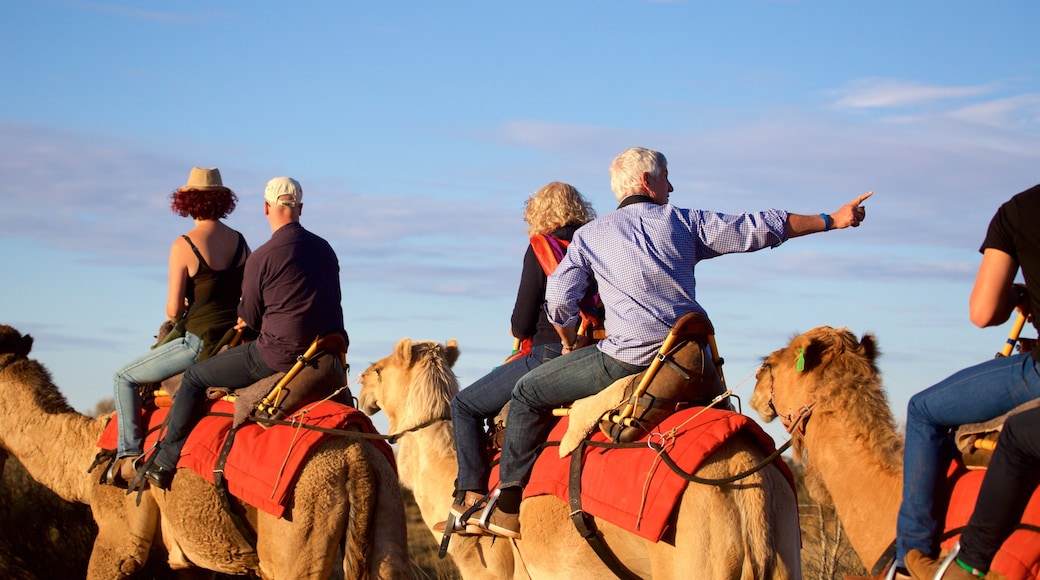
[[482, 401], [560, 381], [234, 368], [156, 365], [979, 393]]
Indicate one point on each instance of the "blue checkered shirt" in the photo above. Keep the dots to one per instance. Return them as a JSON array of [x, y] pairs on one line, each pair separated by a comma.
[[642, 256]]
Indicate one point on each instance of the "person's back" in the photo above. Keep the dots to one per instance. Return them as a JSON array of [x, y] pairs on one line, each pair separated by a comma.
[[643, 256], [299, 297], [290, 295], [204, 286]]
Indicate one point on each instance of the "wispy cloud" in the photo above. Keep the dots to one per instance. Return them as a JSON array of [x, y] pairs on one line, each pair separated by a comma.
[[875, 93]]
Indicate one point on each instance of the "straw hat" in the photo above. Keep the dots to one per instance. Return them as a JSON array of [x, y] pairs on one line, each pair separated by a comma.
[[204, 179]]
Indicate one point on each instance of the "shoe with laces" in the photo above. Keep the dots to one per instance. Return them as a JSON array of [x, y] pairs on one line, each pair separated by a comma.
[[471, 499]]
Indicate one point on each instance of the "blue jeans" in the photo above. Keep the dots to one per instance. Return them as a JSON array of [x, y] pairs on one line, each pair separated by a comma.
[[480, 402], [560, 381], [975, 394], [156, 365], [235, 368]]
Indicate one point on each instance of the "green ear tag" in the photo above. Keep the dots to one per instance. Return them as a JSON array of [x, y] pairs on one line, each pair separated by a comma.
[[800, 361]]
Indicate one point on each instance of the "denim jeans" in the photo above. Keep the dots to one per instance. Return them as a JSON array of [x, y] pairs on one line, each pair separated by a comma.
[[156, 365], [1012, 476], [975, 394], [480, 402], [235, 368], [560, 381]]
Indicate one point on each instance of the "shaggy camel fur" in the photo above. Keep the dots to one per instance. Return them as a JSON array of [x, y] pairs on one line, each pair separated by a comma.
[[347, 491], [748, 529], [839, 417]]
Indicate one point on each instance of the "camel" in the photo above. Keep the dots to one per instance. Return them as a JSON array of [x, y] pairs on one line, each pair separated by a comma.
[[837, 411], [346, 497], [747, 529]]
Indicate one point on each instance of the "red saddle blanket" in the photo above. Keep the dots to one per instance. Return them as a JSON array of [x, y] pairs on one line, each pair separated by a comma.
[[632, 487], [1019, 557], [263, 464]]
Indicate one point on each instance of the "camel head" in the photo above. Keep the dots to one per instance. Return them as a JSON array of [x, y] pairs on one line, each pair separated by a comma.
[[812, 369], [827, 371], [412, 385], [12, 342]]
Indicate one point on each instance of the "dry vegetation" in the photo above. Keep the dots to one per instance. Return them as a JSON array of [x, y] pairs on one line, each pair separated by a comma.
[[42, 536]]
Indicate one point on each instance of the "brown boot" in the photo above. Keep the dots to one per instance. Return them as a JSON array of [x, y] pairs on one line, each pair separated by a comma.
[[924, 568]]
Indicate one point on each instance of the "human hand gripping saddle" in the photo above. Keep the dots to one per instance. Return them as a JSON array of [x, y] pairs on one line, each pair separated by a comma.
[[550, 250]]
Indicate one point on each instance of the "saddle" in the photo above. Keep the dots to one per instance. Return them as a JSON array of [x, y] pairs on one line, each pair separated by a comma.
[[631, 408], [318, 373], [694, 379], [977, 441]]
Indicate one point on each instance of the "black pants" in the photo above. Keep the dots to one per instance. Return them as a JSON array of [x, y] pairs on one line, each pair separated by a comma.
[[1013, 474]]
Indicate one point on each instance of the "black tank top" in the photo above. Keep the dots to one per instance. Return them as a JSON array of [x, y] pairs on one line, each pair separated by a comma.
[[213, 297]]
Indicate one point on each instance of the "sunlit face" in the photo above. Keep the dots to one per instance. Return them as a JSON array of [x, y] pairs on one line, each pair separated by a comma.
[[658, 188]]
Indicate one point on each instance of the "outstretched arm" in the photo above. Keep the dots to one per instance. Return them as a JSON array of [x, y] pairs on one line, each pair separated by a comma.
[[850, 214]]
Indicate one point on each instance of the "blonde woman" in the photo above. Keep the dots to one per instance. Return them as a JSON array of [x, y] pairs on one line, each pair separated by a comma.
[[557, 210]]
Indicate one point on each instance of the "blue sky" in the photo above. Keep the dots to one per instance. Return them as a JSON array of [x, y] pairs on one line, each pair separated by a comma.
[[418, 130]]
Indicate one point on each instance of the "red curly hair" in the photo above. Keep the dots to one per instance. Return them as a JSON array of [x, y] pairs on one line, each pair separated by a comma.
[[208, 204]]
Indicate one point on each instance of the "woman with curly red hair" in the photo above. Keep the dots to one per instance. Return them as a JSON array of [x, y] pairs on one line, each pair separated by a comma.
[[205, 284]]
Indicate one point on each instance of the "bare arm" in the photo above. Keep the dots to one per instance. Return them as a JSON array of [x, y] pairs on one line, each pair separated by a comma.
[[178, 279], [850, 214], [993, 297]]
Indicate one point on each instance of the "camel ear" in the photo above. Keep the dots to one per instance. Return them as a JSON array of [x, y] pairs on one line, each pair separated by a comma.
[[451, 351], [403, 351], [808, 353], [869, 345], [25, 345]]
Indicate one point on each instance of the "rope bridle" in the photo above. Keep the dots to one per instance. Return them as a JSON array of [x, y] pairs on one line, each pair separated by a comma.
[[795, 421], [394, 437]]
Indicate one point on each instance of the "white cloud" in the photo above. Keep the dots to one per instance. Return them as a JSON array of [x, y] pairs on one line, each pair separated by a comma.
[[873, 93]]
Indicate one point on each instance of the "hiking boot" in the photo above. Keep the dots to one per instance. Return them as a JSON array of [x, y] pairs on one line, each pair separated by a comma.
[[924, 568], [495, 521]]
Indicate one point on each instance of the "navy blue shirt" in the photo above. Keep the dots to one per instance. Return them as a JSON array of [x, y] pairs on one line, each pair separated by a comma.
[[291, 294]]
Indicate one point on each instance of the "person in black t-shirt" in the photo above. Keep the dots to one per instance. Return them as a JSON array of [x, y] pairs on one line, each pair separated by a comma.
[[978, 393]]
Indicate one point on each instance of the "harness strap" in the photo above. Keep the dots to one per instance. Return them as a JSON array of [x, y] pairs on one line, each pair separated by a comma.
[[220, 483], [586, 526], [886, 557]]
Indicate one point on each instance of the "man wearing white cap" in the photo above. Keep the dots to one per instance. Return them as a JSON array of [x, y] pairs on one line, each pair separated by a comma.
[[290, 295]]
